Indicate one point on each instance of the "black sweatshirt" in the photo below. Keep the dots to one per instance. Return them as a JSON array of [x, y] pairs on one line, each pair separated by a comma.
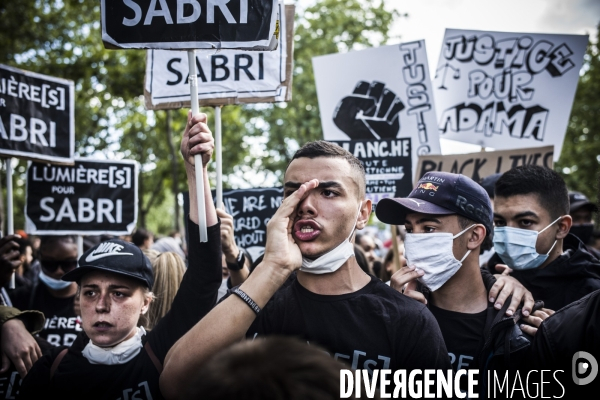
[[76, 378]]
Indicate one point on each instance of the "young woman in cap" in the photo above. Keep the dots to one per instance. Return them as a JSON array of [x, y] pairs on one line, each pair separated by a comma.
[[113, 357]]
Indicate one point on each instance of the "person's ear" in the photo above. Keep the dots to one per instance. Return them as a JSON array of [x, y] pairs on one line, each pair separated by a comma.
[[476, 237], [364, 214], [564, 225], [146, 305]]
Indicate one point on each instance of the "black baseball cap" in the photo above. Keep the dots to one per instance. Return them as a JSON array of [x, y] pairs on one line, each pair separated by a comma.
[[579, 200], [440, 193], [116, 256]]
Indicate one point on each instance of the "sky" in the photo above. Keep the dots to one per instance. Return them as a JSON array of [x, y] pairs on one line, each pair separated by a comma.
[[428, 19]]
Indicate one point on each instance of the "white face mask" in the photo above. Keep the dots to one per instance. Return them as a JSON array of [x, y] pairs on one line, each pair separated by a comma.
[[119, 354], [432, 253], [55, 284], [334, 258]]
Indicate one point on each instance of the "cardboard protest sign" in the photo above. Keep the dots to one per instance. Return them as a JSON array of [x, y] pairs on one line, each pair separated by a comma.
[[189, 24], [485, 163], [507, 90], [251, 210], [381, 93], [36, 116], [92, 197], [387, 163], [224, 77]]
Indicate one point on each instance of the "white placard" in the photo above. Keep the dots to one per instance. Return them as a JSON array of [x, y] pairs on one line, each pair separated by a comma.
[[378, 94], [507, 90], [221, 74]]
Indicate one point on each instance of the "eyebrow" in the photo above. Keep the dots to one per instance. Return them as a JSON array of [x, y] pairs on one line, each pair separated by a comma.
[[520, 215], [425, 219], [322, 185]]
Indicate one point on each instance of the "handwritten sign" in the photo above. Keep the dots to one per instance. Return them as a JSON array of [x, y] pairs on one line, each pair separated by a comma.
[[507, 90]]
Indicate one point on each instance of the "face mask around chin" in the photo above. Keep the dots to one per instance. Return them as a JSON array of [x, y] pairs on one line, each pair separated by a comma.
[[517, 247], [334, 258], [52, 283], [432, 253]]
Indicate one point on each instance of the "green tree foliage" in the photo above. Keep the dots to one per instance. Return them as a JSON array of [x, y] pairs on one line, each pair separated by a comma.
[[329, 26], [580, 157]]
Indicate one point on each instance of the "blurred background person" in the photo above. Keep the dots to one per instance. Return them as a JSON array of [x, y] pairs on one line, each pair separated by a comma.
[[142, 238], [168, 244], [367, 244], [236, 261], [389, 266], [582, 210], [168, 268], [29, 270]]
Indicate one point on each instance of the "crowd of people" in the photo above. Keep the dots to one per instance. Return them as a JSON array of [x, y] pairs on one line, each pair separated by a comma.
[[498, 275]]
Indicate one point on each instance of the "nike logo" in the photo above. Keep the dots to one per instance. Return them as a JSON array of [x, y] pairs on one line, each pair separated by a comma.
[[94, 257]]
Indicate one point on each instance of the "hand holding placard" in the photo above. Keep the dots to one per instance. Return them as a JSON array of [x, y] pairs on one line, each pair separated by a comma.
[[371, 112]]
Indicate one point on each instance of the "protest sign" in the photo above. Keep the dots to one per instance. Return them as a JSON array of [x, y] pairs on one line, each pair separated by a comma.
[[387, 163], [507, 90], [379, 93], [36, 116], [485, 163], [251, 210], [92, 197], [189, 24], [224, 77]]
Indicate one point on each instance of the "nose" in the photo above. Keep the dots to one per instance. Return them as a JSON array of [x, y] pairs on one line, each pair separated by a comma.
[[307, 206], [103, 304]]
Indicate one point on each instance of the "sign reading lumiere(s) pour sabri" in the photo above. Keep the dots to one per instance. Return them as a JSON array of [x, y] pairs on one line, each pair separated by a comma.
[[36, 116], [91, 197]]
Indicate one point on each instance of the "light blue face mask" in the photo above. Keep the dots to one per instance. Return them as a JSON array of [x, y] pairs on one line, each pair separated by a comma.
[[516, 247], [52, 283]]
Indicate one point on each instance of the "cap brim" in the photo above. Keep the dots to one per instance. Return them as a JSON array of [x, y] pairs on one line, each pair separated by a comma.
[[394, 211], [581, 204], [76, 274]]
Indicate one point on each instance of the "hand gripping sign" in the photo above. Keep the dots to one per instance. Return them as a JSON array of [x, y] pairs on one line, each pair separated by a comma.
[[191, 24]]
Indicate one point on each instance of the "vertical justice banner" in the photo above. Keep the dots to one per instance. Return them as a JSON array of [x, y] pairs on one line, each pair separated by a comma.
[[507, 90], [378, 94], [224, 77], [387, 163], [251, 210], [92, 197], [189, 24], [36, 116]]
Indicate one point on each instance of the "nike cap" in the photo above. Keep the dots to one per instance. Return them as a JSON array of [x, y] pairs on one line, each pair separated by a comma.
[[440, 193], [116, 256]]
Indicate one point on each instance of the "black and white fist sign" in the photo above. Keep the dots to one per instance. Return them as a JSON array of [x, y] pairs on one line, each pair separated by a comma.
[[370, 112]]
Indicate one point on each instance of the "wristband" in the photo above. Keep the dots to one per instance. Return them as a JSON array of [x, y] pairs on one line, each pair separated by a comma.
[[239, 262], [242, 295]]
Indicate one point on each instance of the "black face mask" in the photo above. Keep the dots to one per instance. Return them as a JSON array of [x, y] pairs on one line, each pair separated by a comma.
[[583, 232]]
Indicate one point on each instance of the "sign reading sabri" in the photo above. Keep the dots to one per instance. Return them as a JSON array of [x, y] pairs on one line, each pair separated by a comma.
[[92, 197], [36, 116], [189, 24]]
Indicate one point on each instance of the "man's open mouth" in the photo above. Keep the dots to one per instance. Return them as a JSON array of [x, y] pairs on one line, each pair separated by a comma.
[[306, 230]]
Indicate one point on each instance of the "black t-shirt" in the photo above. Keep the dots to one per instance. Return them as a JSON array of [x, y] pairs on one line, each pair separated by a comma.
[[76, 378], [463, 334], [373, 328], [62, 324]]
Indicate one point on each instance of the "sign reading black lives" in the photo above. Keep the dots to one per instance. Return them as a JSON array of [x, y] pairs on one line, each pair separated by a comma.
[[251, 209], [36, 116], [92, 197], [388, 166], [190, 24]]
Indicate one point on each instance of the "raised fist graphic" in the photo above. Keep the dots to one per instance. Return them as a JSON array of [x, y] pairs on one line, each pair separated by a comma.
[[371, 112]]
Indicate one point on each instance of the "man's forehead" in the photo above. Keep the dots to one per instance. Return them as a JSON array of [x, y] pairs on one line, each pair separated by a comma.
[[518, 204], [330, 169]]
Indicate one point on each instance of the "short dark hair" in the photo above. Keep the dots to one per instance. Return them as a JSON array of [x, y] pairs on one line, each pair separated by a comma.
[[50, 241], [274, 368], [546, 184], [140, 236], [322, 148]]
